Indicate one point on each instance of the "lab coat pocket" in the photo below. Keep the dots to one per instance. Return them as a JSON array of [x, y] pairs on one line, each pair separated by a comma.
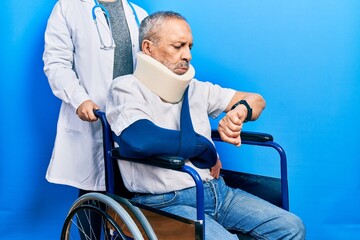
[[70, 120]]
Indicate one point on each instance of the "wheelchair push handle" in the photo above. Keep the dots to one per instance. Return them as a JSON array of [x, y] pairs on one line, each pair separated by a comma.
[[102, 116], [98, 112]]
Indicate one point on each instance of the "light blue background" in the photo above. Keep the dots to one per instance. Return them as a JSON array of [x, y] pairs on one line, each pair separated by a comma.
[[302, 56]]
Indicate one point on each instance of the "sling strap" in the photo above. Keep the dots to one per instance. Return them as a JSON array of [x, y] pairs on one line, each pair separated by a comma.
[[193, 146], [145, 139]]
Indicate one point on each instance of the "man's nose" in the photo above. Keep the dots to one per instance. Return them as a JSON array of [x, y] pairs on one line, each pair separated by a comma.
[[186, 55]]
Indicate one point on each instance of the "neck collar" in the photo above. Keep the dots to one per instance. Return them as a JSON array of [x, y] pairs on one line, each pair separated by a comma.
[[162, 81]]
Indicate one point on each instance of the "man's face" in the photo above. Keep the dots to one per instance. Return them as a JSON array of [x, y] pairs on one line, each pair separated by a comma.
[[173, 46]]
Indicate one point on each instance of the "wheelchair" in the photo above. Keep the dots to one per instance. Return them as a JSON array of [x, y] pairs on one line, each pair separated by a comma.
[[111, 215]]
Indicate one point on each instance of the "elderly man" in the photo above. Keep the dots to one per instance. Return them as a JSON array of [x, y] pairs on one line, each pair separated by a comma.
[[153, 110]]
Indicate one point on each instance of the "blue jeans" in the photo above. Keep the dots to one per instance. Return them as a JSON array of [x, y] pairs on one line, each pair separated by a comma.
[[229, 210]]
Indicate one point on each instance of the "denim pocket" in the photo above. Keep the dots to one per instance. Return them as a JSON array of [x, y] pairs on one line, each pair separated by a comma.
[[156, 201]]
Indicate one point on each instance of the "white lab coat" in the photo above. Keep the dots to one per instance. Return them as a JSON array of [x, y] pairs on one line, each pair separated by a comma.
[[78, 70]]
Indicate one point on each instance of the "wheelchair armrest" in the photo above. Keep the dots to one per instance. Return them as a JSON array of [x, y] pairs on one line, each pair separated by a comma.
[[174, 163], [246, 136], [168, 162]]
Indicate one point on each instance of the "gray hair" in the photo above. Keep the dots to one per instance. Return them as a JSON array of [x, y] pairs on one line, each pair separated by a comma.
[[152, 24]]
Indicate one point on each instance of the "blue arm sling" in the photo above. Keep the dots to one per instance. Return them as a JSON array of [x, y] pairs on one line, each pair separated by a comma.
[[145, 139]]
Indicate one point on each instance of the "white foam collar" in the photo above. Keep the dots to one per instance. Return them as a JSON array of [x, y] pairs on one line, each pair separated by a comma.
[[162, 81]]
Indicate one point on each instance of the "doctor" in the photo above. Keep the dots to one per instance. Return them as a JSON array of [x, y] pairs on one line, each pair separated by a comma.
[[85, 49]]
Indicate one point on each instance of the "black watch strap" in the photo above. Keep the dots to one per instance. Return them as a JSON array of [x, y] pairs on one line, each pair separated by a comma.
[[249, 109]]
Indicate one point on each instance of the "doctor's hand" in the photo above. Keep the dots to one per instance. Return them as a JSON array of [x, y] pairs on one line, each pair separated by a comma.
[[215, 170], [231, 124], [86, 111]]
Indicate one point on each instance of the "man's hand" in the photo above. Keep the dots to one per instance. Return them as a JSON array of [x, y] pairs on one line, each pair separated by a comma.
[[215, 170], [86, 111], [231, 125]]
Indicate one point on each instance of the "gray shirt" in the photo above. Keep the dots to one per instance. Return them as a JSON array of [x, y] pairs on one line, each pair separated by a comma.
[[123, 60]]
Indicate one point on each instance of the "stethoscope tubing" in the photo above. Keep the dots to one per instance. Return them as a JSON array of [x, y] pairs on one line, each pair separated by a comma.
[[98, 5]]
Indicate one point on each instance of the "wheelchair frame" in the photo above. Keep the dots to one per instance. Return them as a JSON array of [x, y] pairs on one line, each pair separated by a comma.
[[118, 204]]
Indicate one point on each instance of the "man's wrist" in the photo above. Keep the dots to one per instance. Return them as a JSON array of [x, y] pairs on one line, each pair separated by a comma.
[[249, 109]]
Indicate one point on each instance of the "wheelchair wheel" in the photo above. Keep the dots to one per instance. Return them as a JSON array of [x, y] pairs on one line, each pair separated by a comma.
[[98, 216]]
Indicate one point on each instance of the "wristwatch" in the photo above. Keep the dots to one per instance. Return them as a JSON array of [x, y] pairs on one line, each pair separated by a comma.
[[249, 109]]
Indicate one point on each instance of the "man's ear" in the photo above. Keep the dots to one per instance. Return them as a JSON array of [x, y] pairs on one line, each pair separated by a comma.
[[146, 47]]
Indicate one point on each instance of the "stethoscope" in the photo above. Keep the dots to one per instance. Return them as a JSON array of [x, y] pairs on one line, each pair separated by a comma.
[[107, 17]]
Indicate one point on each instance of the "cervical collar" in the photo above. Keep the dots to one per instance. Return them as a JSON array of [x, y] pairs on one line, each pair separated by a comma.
[[162, 81]]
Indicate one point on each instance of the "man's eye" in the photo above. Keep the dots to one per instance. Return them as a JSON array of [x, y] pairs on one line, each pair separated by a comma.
[[177, 46]]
